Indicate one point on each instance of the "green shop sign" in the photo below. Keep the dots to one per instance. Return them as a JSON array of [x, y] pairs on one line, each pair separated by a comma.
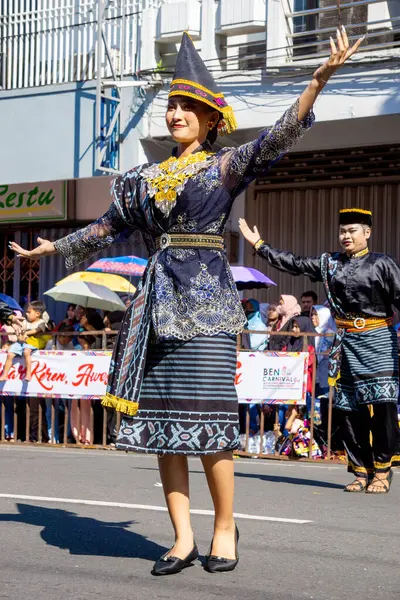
[[33, 202]]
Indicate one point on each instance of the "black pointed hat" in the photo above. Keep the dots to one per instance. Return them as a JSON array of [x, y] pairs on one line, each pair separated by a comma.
[[348, 216], [193, 79]]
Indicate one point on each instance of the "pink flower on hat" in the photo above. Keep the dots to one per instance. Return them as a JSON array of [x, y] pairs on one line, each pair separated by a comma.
[[220, 102], [200, 93]]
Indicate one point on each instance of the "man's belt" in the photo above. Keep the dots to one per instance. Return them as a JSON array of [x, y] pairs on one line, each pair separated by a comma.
[[190, 240], [360, 324]]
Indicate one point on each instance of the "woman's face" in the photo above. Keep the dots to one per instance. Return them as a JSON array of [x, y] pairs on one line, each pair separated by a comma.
[[79, 312], [71, 312], [296, 329], [249, 308], [314, 318], [354, 238], [187, 120], [273, 315]]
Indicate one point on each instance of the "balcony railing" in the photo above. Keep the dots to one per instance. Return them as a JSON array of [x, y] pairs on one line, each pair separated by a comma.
[[308, 31], [56, 41]]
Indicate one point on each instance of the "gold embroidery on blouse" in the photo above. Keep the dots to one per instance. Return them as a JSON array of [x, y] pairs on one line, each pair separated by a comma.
[[166, 180]]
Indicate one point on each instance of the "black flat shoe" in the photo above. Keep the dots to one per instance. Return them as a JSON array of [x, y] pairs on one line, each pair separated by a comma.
[[219, 564], [169, 565]]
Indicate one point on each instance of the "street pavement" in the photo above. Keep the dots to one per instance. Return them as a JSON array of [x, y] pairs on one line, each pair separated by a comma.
[[300, 535]]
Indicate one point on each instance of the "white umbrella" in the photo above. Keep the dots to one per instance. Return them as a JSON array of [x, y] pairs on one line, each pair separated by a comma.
[[88, 295]]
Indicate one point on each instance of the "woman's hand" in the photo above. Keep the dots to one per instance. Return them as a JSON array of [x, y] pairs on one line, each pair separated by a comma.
[[340, 52], [45, 248], [251, 235]]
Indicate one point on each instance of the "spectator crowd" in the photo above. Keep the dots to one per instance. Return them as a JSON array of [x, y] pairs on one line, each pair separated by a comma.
[[287, 428], [283, 326], [38, 332]]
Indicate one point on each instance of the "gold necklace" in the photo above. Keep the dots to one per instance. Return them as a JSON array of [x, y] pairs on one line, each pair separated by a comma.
[[166, 180]]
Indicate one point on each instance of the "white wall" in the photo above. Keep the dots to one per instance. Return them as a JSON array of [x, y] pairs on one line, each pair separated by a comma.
[[49, 133]]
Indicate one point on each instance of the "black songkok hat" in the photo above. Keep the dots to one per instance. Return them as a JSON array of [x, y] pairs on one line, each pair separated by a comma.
[[348, 216], [193, 79]]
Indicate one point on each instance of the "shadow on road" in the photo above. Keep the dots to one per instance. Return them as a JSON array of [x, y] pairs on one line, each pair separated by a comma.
[[292, 480], [84, 535], [272, 478]]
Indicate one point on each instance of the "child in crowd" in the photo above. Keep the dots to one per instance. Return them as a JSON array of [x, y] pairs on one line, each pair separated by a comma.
[[297, 429], [62, 341], [34, 325]]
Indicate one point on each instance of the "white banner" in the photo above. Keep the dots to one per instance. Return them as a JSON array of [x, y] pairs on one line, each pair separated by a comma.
[[59, 375], [267, 377], [272, 377]]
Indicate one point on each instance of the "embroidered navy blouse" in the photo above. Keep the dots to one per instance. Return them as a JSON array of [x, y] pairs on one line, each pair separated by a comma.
[[368, 285], [194, 292]]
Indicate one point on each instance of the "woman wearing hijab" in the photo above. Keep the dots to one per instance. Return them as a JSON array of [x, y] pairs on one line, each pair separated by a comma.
[[287, 308], [323, 323], [254, 341], [187, 311]]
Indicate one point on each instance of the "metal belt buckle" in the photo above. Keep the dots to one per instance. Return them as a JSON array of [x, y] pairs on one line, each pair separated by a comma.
[[359, 323], [165, 241]]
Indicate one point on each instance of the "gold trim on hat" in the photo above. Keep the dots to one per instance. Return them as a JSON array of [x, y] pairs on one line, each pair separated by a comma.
[[198, 86], [359, 210]]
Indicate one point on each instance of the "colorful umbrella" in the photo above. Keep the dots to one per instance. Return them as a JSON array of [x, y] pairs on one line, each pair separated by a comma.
[[88, 295], [132, 266], [112, 282], [10, 302], [250, 279]]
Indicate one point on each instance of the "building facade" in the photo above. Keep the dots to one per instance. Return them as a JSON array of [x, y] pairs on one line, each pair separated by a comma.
[[83, 88]]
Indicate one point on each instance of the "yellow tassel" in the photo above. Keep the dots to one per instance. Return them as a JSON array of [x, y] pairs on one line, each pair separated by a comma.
[[332, 381], [230, 121], [120, 404]]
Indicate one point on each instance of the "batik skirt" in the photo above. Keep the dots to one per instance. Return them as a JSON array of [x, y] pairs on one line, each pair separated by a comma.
[[369, 370], [188, 402]]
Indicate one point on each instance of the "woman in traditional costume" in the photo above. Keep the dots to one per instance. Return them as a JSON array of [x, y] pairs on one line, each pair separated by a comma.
[[362, 287], [176, 352]]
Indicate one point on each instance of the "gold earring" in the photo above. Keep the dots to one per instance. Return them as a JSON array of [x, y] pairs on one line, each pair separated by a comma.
[[210, 125]]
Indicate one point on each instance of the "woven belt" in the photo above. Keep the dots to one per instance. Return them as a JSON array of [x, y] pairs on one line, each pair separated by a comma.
[[359, 324], [190, 240]]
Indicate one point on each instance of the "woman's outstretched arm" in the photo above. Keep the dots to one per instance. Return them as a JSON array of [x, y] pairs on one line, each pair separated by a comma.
[[340, 52], [240, 166], [84, 243], [113, 226], [279, 259]]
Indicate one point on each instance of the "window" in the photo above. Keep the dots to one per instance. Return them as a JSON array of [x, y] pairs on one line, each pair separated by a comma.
[[302, 24]]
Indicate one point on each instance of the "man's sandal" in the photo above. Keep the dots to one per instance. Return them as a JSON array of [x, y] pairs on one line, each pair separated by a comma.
[[356, 486], [382, 485]]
